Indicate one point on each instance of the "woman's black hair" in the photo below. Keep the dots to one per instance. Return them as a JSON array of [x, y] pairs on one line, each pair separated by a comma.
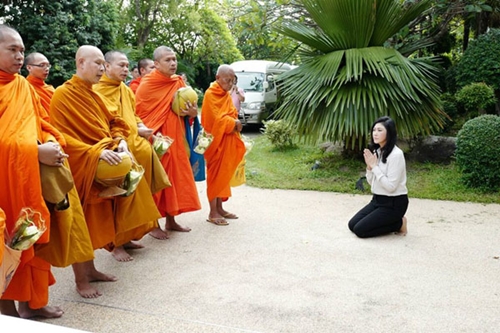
[[391, 137]]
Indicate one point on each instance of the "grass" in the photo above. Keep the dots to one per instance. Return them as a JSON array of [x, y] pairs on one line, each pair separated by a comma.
[[291, 169]]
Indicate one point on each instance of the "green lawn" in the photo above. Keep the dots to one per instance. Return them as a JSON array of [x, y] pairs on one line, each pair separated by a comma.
[[291, 169]]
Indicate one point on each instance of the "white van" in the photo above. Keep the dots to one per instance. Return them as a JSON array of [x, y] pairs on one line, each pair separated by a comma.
[[257, 78]]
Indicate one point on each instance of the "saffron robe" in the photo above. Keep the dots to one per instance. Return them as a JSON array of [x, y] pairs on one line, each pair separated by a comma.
[[154, 106], [134, 84], [45, 91], [120, 100], [218, 115], [69, 237], [20, 131], [89, 128]]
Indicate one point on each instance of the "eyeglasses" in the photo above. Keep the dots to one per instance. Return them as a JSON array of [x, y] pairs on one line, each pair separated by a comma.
[[42, 65]]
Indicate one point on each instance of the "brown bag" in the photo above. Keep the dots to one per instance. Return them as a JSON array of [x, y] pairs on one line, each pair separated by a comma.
[[57, 181], [159, 178]]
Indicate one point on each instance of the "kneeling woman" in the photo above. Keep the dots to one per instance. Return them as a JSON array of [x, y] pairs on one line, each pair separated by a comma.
[[386, 174]]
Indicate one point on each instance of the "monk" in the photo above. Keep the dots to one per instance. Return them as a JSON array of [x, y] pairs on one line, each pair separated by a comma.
[[93, 133], [20, 154], [38, 67], [120, 98], [220, 118], [145, 67], [154, 106], [69, 239]]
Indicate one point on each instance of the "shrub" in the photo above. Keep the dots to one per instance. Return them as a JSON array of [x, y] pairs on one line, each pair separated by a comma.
[[480, 62], [279, 133], [477, 152], [476, 97]]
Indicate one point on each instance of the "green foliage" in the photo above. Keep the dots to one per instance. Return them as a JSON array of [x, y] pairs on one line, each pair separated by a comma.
[[291, 169], [481, 61], [477, 152], [476, 97], [279, 133], [253, 28], [348, 78], [58, 28], [194, 30]]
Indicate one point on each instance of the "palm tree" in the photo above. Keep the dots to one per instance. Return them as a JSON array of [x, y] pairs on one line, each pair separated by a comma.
[[348, 78]]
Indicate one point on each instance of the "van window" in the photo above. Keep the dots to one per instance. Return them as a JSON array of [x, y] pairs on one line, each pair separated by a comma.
[[271, 86], [250, 81]]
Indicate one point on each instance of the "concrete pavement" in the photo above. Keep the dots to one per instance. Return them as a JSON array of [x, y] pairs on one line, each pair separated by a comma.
[[290, 264]]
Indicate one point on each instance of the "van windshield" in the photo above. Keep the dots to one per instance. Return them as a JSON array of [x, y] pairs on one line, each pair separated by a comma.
[[251, 81]]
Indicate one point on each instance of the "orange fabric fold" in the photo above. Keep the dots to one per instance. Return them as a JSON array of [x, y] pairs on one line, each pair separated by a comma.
[[137, 214], [69, 237], [20, 130], [134, 84], [154, 106], [226, 151], [44, 90], [89, 128]]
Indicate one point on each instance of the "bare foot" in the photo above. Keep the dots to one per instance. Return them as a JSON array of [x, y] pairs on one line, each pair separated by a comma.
[[121, 255], [132, 246], [86, 290], [96, 276], [170, 224], [46, 312], [404, 227], [159, 234]]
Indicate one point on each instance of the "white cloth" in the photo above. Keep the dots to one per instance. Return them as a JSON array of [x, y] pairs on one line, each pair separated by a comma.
[[389, 178]]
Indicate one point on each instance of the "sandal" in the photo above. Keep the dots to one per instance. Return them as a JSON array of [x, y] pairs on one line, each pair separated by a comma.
[[217, 221]]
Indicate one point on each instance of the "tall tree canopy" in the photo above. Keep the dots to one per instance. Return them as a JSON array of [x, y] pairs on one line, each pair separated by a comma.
[[58, 28]]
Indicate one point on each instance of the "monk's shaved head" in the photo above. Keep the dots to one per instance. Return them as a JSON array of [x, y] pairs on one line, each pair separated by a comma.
[[5, 29], [33, 58], [225, 77], [111, 56], [89, 63], [11, 50], [160, 52], [224, 69], [86, 51], [116, 65], [145, 66]]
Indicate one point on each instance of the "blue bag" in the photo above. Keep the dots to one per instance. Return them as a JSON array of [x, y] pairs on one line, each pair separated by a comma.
[[197, 160]]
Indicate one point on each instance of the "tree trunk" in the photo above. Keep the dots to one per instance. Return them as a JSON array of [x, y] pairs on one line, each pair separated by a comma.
[[465, 42]]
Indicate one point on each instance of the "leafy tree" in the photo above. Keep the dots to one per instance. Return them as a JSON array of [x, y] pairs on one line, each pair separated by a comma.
[[481, 61], [58, 28], [348, 79], [252, 22]]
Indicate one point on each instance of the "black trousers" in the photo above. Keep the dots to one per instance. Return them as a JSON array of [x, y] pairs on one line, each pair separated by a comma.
[[381, 216]]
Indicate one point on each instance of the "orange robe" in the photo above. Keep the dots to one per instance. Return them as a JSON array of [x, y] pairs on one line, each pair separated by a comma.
[[134, 84], [45, 91], [69, 237], [226, 151], [89, 128], [120, 99], [154, 106], [20, 131]]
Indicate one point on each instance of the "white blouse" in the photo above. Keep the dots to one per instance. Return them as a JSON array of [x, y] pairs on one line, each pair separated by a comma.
[[389, 178]]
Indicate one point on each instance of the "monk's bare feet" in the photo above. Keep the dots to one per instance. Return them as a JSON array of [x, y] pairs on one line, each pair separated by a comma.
[[96, 276], [121, 255], [132, 246], [86, 290], [404, 227], [172, 225], [45, 312], [159, 234]]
